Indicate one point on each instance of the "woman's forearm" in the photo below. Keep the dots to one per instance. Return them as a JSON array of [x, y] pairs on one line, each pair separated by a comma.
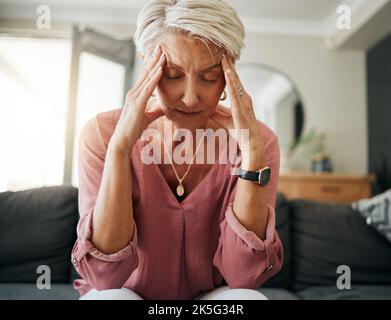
[[251, 208], [250, 203], [113, 223]]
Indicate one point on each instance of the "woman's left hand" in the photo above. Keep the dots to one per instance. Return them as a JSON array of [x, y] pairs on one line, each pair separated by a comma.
[[241, 116]]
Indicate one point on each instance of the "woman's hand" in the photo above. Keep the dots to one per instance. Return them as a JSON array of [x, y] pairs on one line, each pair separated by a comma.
[[241, 116], [139, 110]]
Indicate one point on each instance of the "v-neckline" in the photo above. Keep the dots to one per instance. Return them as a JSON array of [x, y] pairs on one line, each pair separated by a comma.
[[172, 196]]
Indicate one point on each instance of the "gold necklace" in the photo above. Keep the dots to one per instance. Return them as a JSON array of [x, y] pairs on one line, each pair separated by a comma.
[[180, 190]]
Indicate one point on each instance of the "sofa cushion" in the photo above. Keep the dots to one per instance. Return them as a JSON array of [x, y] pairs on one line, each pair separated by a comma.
[[37, 227], [377, 212], [282, 279], [327, 235], [355, 293]]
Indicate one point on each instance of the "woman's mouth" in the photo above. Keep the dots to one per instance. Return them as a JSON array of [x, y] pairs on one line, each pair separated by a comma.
[[188, 114]]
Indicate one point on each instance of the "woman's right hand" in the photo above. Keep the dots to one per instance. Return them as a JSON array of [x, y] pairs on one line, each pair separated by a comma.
[[139, 111]]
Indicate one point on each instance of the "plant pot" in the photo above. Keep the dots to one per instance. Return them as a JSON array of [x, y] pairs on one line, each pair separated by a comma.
[[321, 164]]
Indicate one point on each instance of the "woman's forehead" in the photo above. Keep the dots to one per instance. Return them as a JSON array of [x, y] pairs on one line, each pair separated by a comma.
[[180, 39], [188, 52]]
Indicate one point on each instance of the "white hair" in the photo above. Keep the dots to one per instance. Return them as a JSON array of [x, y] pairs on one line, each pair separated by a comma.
[[211, 20]]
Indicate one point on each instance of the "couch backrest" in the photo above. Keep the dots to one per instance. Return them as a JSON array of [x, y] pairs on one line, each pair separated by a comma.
[[325, 236], [37, 227]]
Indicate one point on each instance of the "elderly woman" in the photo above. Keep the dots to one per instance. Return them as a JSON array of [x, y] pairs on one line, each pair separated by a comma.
[[172, 229]]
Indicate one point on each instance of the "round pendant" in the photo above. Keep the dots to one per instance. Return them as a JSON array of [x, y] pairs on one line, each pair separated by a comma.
[[180, 190]]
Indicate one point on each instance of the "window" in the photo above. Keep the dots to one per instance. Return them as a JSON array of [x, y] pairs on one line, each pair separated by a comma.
[[100, 89], [34, 96], [45, 101]]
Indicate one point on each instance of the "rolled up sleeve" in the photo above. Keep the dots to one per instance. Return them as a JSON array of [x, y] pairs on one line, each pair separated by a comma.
[[101, 271], [242, 257], [244, 260]]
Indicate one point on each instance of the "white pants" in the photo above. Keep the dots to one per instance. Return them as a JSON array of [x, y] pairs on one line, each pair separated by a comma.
[[221, 293]]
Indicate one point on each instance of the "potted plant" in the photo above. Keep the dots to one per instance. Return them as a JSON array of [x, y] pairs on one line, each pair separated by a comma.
[[315, 142]]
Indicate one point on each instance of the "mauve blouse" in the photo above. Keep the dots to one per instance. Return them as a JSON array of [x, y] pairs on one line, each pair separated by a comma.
[[179, 249]]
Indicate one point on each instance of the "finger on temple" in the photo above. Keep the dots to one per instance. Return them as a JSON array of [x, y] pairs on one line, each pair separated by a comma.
[[149, 86], [160, 63], [151, 62]]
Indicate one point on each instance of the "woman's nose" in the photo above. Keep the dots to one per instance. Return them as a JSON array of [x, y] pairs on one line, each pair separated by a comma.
[[190, 95]]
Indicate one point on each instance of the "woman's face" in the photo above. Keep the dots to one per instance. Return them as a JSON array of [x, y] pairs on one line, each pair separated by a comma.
[[192, 81]]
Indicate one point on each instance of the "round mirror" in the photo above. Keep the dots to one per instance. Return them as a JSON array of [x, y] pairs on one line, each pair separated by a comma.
[[276, 102]]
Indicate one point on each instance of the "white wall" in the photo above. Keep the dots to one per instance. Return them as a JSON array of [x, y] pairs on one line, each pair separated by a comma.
[[285, 115], [332, 85]]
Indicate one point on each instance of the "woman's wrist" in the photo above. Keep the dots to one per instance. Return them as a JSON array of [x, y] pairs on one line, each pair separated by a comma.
[[253, 160], [252, 164], [120, 148]]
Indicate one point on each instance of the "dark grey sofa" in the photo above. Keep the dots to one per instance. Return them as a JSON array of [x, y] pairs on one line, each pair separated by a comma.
[[38, 227]]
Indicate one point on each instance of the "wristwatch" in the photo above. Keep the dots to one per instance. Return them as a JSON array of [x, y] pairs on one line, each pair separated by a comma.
[[262, 176]]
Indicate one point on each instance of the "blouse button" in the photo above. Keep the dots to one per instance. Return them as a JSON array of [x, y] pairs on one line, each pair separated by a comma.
[[270, 267], [74, 261]]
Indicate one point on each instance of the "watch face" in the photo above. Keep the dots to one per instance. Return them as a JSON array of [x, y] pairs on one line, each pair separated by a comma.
[[264, 177]]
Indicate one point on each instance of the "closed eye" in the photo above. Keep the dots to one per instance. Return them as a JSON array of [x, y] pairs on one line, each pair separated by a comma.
[[174, 78], [208, 80], [202, 78]]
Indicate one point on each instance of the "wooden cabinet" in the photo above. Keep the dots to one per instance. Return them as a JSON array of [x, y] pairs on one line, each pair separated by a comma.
[[329, 187]]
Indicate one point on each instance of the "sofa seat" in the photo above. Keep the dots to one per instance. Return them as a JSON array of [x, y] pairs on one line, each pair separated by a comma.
[[29, 291], [357, 292]]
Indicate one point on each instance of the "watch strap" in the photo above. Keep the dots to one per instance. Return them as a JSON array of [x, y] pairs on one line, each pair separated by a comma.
[[248, 175]]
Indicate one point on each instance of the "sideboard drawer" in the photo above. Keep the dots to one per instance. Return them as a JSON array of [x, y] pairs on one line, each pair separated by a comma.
[[325, 187]]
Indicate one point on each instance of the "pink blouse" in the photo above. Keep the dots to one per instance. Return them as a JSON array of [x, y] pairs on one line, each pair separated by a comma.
[[179, 249]]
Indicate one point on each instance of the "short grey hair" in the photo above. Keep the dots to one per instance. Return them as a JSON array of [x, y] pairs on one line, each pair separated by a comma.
[[210, 20]]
